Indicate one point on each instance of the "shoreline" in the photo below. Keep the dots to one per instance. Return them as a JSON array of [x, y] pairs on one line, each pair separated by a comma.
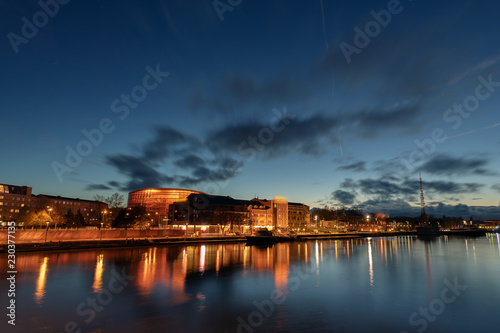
[[166, 241]]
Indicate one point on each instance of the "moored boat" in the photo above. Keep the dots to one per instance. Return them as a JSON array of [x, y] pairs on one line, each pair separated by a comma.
[[467, 231]]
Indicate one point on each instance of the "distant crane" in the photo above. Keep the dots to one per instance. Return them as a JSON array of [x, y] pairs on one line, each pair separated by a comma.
[[423, 216]]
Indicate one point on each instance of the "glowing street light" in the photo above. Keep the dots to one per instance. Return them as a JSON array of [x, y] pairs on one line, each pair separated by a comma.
[[46, 231]]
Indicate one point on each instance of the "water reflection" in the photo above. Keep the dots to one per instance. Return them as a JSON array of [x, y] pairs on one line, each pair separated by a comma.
[[428, 266], [183, 288], [99, 267], [168, 267], [41, 281], [498, 241], [370, 260]]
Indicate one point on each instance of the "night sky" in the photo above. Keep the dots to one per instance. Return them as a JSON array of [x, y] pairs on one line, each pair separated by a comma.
[[340, 103]]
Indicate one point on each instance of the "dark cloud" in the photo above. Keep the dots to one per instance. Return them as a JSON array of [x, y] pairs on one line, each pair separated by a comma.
[[343, 197], [221, 170], [113, 183], [176, 152], [480, 212], [441, 187], [190, 161], [401, 197], [308, 136], [444, 164], [372, 123], [140, 172], [235, 93], [496, 187], [408, 189], [379, 187], [393, 207], [97, 187], [166, 142], [355, 167], [399, 207]]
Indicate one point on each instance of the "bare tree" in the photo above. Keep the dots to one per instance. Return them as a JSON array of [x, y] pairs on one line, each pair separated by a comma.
[[116, 200]]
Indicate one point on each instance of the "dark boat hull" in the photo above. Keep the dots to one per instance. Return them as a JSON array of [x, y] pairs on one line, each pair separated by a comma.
[[465, 232], [255, 239]]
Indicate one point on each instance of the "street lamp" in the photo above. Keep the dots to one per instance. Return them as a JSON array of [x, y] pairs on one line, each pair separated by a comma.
[[101, 229], [104, 215], [46, 231]]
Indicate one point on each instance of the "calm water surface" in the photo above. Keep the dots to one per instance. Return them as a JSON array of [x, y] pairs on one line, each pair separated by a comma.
[[393, 284]]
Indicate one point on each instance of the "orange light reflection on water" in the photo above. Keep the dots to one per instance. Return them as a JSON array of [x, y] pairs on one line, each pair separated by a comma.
[[99, 267], [40, 283]]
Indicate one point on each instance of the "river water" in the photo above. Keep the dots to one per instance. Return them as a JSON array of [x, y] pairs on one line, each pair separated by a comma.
[[391, 284]]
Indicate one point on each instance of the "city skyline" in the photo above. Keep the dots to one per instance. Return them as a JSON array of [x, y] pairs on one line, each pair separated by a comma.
[[326, 103]]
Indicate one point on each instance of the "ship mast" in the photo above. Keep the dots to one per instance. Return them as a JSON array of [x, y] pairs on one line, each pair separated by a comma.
[[423, 216]]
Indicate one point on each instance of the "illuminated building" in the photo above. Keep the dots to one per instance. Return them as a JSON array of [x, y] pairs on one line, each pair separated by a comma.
[[91, 210], [214, 210], [157, 201], [298, 216], [12, 198], [209, 210]]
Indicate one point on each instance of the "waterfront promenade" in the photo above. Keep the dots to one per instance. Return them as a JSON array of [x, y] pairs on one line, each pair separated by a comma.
[[67, 239]]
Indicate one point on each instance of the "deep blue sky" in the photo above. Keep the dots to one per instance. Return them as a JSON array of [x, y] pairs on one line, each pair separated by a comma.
[[352, 123]]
